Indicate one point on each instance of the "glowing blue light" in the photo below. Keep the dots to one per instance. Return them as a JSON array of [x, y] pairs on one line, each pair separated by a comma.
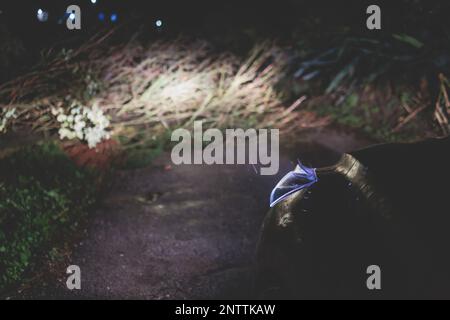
[[301, 178], [159, 23], [72, 16], [101, 16], [42, 15], [113, 17]]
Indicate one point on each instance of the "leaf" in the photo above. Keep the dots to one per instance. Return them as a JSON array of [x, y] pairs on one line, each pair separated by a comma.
[[348, 70], [408, 40]]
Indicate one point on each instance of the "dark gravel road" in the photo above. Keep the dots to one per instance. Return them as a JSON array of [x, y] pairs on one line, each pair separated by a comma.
[[180, 232]]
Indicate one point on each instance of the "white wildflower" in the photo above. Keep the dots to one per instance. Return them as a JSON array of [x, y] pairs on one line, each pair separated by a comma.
[[79, 125], [56, 111], [85, 124], [5, 117], [61, 118], [66, 133]]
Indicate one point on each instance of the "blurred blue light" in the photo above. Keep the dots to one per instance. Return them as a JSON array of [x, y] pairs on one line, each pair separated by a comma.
[[101, 16], [113, 17], [159, 23], [42, 15], [301, 178], [72, 16]]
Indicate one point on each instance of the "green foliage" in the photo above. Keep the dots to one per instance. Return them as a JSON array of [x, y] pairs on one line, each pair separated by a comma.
[[141, 149], [409, 40], [140, 157], [376, 119], [43, 196]]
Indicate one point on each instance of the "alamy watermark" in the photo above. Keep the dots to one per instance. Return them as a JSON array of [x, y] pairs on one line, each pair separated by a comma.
[[374, 20], [233, 146], [74, 280], [73, 21], [374, 279]]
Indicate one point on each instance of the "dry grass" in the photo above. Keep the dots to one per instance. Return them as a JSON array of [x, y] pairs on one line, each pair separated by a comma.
[[160, 87], [442, 109]]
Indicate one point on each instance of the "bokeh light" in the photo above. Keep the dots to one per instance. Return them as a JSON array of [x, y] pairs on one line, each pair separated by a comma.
[[42, 15]]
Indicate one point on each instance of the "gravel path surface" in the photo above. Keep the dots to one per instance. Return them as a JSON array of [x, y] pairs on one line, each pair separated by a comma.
[[181, 232]]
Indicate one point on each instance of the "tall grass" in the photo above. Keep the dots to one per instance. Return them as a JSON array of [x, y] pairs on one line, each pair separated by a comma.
[[146, 90]]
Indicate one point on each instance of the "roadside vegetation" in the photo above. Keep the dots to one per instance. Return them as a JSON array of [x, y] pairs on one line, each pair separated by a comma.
[[44, 200]]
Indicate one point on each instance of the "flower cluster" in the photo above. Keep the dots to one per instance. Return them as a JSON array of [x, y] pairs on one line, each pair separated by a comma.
[[86, 124], [5, 117]]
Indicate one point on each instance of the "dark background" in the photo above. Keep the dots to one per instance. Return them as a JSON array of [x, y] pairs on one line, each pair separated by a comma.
[[236, 25], [276, 18]]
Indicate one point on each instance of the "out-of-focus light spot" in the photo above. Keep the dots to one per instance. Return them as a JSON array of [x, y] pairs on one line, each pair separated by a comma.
[[93, 1], [42, 15], [101, 16], [113, 17], [72, 16], [159, 23]]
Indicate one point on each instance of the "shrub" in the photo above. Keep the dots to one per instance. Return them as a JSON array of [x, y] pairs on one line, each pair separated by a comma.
[[43, 197]]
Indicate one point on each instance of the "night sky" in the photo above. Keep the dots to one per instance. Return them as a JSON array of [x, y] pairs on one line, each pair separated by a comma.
[[269, 17], [232, 19]]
